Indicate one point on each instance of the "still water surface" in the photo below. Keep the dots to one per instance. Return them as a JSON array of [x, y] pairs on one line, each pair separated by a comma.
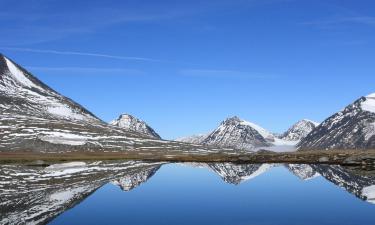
[[142, 193]]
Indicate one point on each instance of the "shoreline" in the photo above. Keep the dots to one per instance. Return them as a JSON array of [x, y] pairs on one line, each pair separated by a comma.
[[342, 157]]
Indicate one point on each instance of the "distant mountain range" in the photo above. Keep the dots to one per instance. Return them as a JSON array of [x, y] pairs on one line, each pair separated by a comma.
[[34, 117], [240, 134]]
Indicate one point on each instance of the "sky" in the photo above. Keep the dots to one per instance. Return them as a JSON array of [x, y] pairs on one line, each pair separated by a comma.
[[184, 66]]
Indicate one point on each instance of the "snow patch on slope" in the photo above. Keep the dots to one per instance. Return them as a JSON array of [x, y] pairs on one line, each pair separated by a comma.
[[19, 75], [266, 134], [369, 103], [64, 138], [369, 192], [65, 112]]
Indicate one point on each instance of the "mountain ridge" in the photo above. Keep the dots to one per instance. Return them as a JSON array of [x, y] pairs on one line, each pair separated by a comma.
[[351, 128]]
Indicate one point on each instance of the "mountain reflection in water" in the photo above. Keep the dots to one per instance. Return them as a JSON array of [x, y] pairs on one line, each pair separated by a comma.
[[36, 195]]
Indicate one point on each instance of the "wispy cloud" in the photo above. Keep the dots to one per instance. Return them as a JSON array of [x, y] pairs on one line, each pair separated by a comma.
[[224, 74], [365, 20], [44, 51], [87, 70], [44, 20]]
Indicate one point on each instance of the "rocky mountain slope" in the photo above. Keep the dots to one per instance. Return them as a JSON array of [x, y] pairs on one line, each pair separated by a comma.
[[240, 134], [131, 123], [193, 139], [299, 130], [35, 118], [351, 128]]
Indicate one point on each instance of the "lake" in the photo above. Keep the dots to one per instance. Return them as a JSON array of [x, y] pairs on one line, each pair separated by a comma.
[[142, 193]]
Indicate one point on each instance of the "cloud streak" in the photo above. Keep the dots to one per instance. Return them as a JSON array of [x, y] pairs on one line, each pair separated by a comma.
[[84, 70], [73, 53]]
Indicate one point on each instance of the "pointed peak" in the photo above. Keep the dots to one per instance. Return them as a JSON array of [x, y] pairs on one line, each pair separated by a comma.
[[309, 121], [125, 115], [233, 118]]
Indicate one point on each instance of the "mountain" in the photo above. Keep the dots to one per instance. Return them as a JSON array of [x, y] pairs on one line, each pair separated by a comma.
[[351, 128], [130, 123], [240, 134], [35, 118], [299, 130], [194, 139]]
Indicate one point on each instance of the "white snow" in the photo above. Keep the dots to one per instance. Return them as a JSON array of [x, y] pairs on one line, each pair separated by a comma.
[[65, 165], [369, 103], [19, 75], [64, 111], [369, 192], [67, 195], [64, 138], [311, 121], [262, 169], [266, 134]]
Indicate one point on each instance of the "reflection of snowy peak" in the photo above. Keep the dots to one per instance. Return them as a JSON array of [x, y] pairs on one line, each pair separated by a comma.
[[299, 130], [351, 128], [237, 173], [33, 195], [130, 123], [131, 181], [363, 186], [303, 171]]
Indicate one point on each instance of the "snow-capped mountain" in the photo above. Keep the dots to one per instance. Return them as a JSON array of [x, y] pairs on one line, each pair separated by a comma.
[[240, 134], [194, 139], [20, 92], [35, 118], [299, 130], [130, 123], [351, 128]]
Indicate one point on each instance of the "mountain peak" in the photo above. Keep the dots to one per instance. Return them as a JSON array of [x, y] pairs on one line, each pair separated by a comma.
[[131, 123], [299, 130], [34, 97], [236, 133], [351, 128]]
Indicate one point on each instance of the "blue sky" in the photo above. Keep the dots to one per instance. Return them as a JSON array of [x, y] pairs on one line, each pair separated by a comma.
[[184, 66]]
